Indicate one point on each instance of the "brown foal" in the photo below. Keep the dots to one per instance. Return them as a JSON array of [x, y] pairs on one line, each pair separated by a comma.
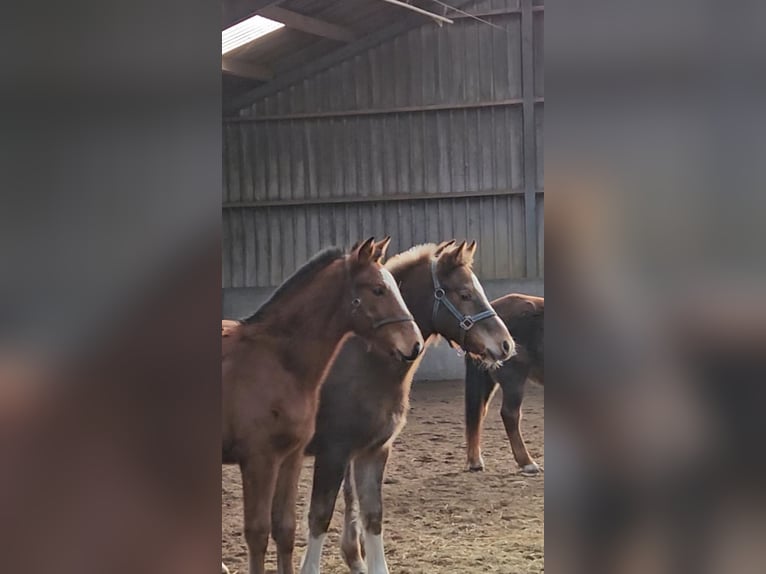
[[273, 365], [524, 317], [364, 401]]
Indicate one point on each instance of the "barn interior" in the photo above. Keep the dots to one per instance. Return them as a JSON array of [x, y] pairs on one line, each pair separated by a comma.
[[421, 120]]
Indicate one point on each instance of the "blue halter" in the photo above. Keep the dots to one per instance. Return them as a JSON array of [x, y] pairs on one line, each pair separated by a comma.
[[466, 322]]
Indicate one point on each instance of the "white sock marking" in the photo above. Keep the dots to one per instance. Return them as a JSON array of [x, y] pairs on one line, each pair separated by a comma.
[[531, 468], [376, 558], [313, 556]]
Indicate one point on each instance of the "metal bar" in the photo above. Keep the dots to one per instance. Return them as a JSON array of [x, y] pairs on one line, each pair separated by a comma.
[[436, 17], [377, 112], [373, 199], [528, 87]]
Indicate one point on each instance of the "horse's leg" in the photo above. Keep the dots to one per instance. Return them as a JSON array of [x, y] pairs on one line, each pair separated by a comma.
[[368, 477], [349, 545], [283, 510], [513, 383], [328, 474], [479, 388], [259, 478]]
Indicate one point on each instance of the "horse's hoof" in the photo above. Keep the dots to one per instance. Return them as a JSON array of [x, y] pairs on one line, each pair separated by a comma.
[[531, 469], [358, 568], [475, 467], [224, 570]]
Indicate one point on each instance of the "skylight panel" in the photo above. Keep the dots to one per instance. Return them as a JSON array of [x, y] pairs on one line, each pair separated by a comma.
[[247, 31]]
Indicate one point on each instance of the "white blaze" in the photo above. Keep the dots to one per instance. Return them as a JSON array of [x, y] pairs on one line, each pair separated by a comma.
[[480, 291], [389, 280], [483, 297], [313, 556]]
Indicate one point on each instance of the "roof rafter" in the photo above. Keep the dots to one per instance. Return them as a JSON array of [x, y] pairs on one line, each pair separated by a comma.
[[245, 69], [290, 77], [308, 24]]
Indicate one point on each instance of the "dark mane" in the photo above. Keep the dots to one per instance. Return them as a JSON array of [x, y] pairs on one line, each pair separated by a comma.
[[298, 279]]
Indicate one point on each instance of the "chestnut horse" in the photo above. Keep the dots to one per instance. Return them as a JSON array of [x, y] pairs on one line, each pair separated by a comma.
[[273, 365], [523, 315], [364, 401]]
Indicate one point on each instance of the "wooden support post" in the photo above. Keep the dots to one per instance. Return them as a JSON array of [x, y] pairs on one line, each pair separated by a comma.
[[530, 145]]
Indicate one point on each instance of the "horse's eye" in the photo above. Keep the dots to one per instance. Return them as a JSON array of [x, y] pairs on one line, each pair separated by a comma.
[[378, 291], [466, 296]]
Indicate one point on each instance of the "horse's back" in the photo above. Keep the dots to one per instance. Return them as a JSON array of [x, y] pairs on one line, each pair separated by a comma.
[[524, 315], [517, 305]]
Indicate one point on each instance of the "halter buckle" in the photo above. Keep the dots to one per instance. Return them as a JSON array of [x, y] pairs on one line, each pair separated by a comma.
[[467, 323], [439, 293], [356, 302]]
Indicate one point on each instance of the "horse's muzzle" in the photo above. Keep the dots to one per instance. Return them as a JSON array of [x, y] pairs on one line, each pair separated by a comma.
[[416, 350]]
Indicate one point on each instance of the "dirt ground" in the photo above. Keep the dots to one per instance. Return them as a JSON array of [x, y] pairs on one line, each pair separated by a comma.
[[437, 518]]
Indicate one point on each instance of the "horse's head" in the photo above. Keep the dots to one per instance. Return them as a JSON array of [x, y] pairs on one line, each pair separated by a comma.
[[463, 314], [379, 313]]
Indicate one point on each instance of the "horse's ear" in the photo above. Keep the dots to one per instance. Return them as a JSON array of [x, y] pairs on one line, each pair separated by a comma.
[[468, 253], [379, 251], [364, 252], [462, 254], [442, 246], [451, 254]]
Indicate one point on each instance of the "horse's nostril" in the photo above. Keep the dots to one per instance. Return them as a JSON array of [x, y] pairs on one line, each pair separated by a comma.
[[507, 346], [416, 349]]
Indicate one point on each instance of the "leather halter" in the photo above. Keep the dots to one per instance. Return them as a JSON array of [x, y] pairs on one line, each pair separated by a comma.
[[466, 322], [356, 304]]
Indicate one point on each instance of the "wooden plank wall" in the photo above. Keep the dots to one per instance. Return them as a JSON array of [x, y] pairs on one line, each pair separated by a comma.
[[421, 138]]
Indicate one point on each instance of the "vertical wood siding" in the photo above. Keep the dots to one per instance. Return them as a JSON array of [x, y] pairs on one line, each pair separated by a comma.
[[470, 142]]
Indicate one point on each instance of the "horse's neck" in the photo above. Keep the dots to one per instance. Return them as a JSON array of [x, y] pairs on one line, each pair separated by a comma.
[[417, 290], [313, 322], [320, 350]]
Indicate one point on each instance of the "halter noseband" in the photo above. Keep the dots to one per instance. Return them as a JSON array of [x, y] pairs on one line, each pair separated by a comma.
[[356, 304], [466, 322]]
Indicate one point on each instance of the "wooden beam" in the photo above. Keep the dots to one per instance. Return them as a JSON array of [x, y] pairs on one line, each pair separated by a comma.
[[530, 144], [288, 78], [308, 24], [245, 69], [234, 11], [359, 199], [376, 111]]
